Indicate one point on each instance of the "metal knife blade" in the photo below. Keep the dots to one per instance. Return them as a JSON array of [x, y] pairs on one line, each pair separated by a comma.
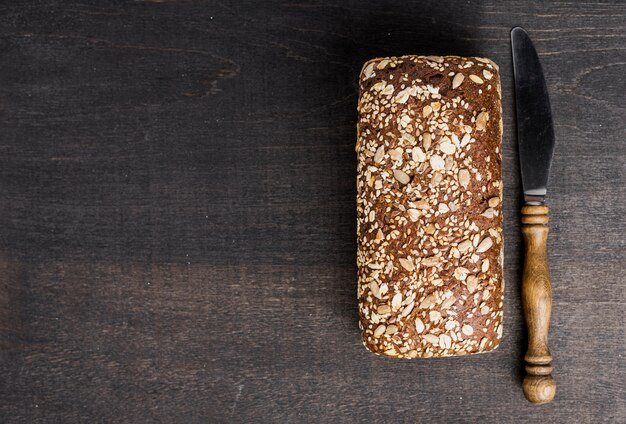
[[534, 119]]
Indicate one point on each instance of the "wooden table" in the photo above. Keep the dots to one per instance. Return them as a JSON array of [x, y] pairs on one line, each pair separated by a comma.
[[177, 217]]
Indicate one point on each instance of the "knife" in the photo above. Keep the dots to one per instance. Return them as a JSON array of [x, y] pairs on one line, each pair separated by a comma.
[[536, 145]]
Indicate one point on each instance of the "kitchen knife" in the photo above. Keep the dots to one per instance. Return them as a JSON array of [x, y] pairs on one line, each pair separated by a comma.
[[536, 145]]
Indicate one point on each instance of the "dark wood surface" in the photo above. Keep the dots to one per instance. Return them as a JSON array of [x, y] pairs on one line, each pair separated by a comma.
[[177, 217]]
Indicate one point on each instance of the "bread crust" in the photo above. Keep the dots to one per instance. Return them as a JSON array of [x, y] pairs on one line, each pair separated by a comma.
[[429, 206]]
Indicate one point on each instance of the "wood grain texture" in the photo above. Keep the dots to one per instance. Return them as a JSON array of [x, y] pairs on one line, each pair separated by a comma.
[[539, 386], [177, 183]]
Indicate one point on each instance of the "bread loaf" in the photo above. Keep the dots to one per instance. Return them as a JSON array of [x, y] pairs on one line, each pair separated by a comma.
[[429, 206]]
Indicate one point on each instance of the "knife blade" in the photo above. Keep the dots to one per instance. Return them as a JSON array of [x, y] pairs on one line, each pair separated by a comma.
[[536, 146], [534, 118]]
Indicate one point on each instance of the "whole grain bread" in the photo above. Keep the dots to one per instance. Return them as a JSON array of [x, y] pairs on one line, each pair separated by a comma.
[[429, 206]]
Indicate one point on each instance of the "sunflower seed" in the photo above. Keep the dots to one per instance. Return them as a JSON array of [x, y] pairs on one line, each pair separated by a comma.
[[448, 302], [380, 330], [485, 265], [494, 233], [384, 309], [464, 177], [445, 341], [447, 147], [457, 80], [464, 246], [422, 204], [484, 245], [483, 343], [380, 153], [426, 111], [388, 90], [418, 154], [434, 316], [471, 282], [436, 179], [436, 162], [476, 79], [419, 325], [438, 59], [461, 273], [392, 329], [407, 309], [427, 140], [481, 121], [431, 338], [413, 214], [368, 72], [467, 329], [375, 289], [427, 302], [494, 201], [401, 176], [488, 75], [431, 261], [409, 138], [486, 295], [402, 96], [383, 63], [489, 213], [406, 264], [379, 86], [395, 154], [396, 302]]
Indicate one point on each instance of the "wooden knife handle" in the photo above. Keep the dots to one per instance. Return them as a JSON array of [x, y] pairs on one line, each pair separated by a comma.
[[539, 386]]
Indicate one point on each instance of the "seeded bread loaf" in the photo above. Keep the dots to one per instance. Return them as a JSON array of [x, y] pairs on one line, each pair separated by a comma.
[[429, 214]]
